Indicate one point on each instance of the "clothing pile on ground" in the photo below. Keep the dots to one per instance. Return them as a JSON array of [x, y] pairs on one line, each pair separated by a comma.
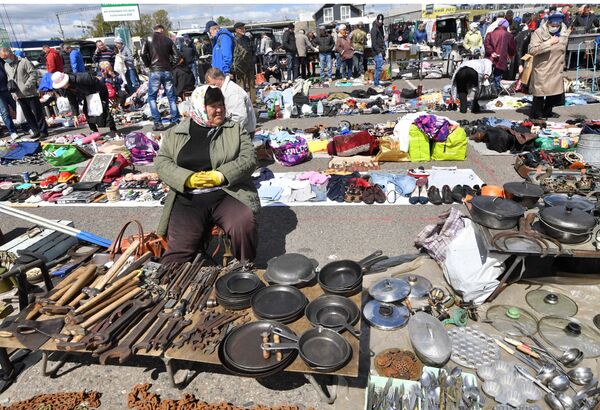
[[416, 137], [417, 186], [529, 135]]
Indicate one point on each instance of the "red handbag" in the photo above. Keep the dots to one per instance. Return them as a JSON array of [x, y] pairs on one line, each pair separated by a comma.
[[353, 144]]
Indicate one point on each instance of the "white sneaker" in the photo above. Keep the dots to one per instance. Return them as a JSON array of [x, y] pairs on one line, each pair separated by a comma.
[[14, 136]]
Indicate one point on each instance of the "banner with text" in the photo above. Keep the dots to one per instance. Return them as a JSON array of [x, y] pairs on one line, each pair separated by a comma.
[[120, 12]]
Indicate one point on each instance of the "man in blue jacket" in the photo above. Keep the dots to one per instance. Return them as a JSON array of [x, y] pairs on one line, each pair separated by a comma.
[[76, 59], [223, 46]]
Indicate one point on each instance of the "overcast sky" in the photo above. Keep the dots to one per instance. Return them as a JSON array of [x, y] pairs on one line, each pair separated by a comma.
[[38, 21]]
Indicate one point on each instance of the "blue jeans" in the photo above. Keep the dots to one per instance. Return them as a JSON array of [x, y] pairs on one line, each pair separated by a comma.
[[325, 64], [132, 80], [338, 64], [446, 50], [378, 68], [6, 101], [194, 69], [498, 74], [347, 69], [292, 66], [166, 79]]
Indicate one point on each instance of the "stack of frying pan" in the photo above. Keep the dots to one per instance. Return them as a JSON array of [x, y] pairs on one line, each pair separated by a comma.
[[282, 303], [334, 312], [322, 349], [241, 351], [344, 277], [236, 289]]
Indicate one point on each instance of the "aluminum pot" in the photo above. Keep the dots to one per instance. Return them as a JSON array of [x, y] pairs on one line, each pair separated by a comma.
[[495, 212], [525, 193], [566, 224]]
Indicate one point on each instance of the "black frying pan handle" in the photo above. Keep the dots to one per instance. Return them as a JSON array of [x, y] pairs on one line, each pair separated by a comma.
[[363, 262], [366, 266]]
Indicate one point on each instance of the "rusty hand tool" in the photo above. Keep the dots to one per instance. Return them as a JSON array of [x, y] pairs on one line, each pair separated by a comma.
[[118, 264], [137, 307], [174, 321], [123, 350], [131, 277], [79, 342], [83, 292], [76, 287], [73, 318], [146, 342], [59, 292], [107, 310], [27, 329]]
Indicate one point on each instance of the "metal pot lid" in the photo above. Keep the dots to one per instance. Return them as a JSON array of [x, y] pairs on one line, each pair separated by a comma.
[[390, 290], [567, 218], [386, 316], [551, 303], [513, 320], [523, 189], [575, 201], [419, 285], [566, 332], [429, 339], [290, 269], [494, 205]]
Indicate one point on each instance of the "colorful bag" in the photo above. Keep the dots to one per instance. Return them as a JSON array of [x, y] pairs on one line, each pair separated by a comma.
[[292, 153], [143, 149], [453, 149], [117, 166], [418, 148], [353, 144], [64, 154]]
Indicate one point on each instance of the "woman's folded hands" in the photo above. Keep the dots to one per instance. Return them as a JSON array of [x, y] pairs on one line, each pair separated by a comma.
[[204, 179]]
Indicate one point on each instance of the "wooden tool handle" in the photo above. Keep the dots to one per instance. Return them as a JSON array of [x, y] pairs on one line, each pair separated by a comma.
[[116, 267], [107, 310], [70, 278], [266, 353], [110, 300], [80, 297], [505, 347], [278, 353], [107, 292], [81, 281]]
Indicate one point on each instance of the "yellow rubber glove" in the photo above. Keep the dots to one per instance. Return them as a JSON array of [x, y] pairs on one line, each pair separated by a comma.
[[204, 179]]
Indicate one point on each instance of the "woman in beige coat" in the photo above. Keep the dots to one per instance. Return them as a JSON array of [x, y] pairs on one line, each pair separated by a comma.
[[548, 47]]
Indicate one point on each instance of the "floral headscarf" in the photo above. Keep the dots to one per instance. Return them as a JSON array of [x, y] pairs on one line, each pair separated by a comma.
[[198, 108]]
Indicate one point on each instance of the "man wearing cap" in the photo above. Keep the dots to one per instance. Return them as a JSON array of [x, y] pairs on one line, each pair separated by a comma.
[[159, 55], [24, 74], [76, 59], [378, 47], [133, 82], [343, 46], [244, 60], [291, 52], [82, 87], [326, 45], [548, 46], [223, 45]]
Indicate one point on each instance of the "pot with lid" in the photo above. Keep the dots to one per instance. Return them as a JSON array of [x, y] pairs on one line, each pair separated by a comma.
[[575, 201], [567, 224], [496, 212], [525, 193]]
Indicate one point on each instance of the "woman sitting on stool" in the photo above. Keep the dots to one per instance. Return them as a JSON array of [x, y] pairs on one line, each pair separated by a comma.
[[208, 163], [467, 76]]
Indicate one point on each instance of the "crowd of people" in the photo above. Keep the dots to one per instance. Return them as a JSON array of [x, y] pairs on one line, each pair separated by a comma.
[[230, 60]]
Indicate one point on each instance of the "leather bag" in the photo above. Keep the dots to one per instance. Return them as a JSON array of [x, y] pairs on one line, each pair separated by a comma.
[[149, 242], [487, 90]]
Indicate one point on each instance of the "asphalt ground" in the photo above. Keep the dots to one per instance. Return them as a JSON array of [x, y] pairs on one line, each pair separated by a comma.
[[323, 233]]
